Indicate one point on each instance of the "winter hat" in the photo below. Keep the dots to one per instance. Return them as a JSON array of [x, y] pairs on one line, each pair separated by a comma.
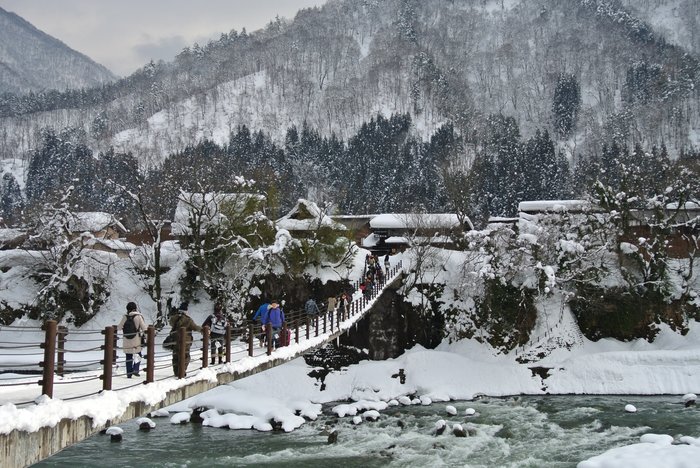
[[131, 306], [183, 306]]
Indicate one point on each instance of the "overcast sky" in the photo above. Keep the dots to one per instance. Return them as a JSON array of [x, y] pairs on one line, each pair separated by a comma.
[[123, 35]]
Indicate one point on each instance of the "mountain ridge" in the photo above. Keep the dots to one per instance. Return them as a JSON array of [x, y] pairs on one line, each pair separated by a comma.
[[36, 61]]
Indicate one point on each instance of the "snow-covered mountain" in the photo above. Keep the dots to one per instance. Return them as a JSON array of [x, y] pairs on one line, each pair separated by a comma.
[[31, 60], [455, 61], [678, 21]]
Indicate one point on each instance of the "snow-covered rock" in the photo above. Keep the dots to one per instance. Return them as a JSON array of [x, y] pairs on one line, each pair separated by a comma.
[[114, 430], [661, 439], [145, 422], [451, 410], [469, 412], [440, 426], [180, 418], [630, 408], [459, 431]]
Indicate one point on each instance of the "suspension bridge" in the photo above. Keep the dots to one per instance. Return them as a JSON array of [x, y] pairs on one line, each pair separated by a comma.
[[82, 372]]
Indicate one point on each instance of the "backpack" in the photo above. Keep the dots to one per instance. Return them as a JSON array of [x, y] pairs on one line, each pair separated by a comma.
[[130, 329], [170, 341]]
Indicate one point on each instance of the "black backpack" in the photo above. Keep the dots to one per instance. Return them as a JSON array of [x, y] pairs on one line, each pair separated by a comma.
[[130, 329]]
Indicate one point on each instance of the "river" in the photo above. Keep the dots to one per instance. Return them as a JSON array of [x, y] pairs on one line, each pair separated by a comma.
[[527, 431]]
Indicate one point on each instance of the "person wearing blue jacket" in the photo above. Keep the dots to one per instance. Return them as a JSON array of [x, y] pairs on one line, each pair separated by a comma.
[[275, 317], [261, 316]]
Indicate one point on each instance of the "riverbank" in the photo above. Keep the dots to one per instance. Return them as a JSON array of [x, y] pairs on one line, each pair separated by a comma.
[[460, 371], [469, 370]]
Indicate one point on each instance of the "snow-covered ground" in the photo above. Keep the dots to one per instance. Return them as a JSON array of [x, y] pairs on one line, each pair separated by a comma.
[[459, 370]]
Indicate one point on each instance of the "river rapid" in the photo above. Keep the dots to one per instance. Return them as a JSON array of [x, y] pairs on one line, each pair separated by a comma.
[[526, 431]]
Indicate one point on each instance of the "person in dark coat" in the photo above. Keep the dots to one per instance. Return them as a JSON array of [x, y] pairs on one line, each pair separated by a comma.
[[179, 320], [217, 323], [132, 345], [311, 308]]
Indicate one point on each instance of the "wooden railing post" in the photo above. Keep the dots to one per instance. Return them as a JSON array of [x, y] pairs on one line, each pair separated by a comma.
[[296, 331], [115, 344], [316, 322], [325, 319], [108, 360], [308, 327], [60, 346], [182, 352], [227, 342], [251, 339], [49, 346], [150, 353], [205, 347], [268, 332]]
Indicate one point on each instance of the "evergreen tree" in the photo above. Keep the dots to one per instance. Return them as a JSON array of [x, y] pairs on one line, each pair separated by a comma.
[[62, 160], [566, 104], [11, 200]]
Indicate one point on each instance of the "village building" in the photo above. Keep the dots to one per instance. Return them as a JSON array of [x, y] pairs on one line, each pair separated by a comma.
[[683, 230], [100, 231], [12, 238], [305, 218], [393, 232], [99, 224]]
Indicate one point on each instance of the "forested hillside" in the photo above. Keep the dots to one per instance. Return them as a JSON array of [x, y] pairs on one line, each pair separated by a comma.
[[31, 60], [385, 105]]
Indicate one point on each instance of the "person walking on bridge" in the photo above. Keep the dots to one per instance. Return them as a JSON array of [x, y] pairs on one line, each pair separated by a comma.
[[132, 325], [311, 308], [332, 301], [260, 317], [275, 317], [217, 323], [177, 321]]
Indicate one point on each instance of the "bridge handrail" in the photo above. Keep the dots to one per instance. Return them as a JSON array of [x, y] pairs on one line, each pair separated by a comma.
[[297, 327]]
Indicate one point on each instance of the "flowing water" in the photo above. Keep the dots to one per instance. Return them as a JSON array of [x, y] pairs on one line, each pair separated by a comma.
[[529, 431]]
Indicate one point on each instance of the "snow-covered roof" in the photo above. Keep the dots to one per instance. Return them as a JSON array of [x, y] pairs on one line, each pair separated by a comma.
[[502, 220], [94, 221], [414, 220], [9, 235], [692, 206], [209, 204], [554, 205], [418, 240], [115, 244], [307, 216], [370, 241]]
